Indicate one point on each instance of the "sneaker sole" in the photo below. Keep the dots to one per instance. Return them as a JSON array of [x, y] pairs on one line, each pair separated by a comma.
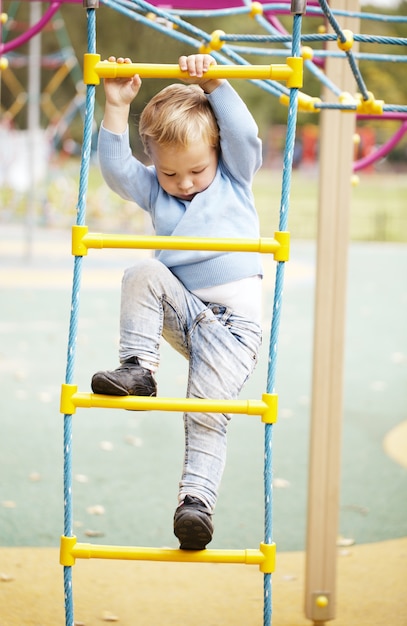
[[102, 385], [194, 531]]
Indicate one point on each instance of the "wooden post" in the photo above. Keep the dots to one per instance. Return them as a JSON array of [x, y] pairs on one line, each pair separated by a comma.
[[335, 167]]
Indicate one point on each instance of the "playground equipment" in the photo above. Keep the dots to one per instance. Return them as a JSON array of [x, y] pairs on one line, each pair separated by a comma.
[[70, 398], [168, 20], [328, 358], [228, 48], [320, 593]]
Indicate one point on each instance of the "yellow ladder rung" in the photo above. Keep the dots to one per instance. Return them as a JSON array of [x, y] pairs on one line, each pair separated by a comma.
[[82, 240], [71, 399], [94, 69], [70, 550]]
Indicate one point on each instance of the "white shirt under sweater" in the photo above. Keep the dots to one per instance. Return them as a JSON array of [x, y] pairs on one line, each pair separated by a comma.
[[230, 295]]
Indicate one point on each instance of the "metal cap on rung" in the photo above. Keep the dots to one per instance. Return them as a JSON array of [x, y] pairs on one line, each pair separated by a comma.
[[90, 4], [298, 7]]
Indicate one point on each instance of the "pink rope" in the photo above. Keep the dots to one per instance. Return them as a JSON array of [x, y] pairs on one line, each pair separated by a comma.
[[22, 39], [387, 115], [382, 151], [212, 4]]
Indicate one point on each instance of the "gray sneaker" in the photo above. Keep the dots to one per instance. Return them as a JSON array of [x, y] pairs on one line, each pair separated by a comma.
[[130, 379], [193, 524]]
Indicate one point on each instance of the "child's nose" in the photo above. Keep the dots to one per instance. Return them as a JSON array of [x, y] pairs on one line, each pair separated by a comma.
[[186, 183]]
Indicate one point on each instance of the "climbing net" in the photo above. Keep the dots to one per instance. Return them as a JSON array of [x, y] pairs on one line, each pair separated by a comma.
[[235, 48], [226, 48]]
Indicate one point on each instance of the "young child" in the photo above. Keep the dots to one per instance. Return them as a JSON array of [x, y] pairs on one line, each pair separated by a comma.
[[204, 149]]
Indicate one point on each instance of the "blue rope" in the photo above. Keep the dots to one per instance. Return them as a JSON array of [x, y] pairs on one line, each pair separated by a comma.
[[129, 8], [73, 325], [313, 37], [150, 8], [319, 74], [366, 56], [358, 76], [275, 324]]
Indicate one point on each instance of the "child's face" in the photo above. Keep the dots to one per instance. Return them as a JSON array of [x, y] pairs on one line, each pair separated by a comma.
[[184, 172]]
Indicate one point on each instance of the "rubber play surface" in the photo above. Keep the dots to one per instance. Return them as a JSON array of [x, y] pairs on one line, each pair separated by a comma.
[[126, 465]]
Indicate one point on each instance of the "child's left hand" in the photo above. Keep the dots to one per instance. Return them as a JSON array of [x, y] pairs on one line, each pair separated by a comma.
[[197, 65]]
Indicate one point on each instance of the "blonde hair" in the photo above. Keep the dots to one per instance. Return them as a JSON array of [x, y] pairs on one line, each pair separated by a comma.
[[178, 115]]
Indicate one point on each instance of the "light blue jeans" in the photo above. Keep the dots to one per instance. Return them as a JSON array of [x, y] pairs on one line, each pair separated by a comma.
[[222, 350]]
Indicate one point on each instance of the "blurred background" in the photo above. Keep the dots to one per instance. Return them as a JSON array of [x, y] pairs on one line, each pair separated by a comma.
[[43, 99]]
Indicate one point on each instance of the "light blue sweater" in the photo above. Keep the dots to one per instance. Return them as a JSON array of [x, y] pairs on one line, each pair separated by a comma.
[[225, 209]]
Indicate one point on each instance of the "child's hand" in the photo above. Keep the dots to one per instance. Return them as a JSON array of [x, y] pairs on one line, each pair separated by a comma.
[[121, 91], [197, 65], [119, 94]]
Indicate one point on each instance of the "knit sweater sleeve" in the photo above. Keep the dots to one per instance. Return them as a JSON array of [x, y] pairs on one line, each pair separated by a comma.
[[241, 147], [125, 174]]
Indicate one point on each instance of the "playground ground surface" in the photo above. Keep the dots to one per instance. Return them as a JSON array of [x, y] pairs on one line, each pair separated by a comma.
[[126, 466], [371, 590]]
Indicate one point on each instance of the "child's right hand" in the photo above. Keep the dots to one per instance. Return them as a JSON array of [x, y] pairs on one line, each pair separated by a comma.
[[121, 91]]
